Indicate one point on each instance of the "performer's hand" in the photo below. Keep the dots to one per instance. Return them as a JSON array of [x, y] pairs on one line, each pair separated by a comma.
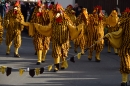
[[17, 20], [105, 38], [107, 26], [7, 21], [27, 27], [80, 26]]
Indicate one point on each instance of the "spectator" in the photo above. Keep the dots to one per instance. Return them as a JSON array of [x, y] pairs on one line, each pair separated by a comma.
[[11, 5], [7, 6], [76, 9], [24, 10], [118, 11], [28, 16], [31, 10], [79, 10], [2, 9]]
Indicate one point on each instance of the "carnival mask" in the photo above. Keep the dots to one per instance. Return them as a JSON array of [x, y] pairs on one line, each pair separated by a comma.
[[59, 17], [15, 10], [40, 10], [39, 13]]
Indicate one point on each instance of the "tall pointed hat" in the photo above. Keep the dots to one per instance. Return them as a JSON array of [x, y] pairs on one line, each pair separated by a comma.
[[17, 3]]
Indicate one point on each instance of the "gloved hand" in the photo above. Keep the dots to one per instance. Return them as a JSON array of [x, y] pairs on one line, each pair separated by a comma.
[[105, 37]]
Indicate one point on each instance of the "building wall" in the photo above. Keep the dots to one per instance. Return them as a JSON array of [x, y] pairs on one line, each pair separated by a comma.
[[107, 5], [65, 3]]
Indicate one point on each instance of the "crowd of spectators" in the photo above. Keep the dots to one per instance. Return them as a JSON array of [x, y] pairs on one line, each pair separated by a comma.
[[27, 8]]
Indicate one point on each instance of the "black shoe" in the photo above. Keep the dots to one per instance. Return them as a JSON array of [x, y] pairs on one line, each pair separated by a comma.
[[56, 67], [75, 51], [55, 70], [116, 53], [89, 59], [62, 68], [124, 84], [7, 53], [16, 55], [43, 61], [38, 63], [82, 53], [97, 60], [35, 53]]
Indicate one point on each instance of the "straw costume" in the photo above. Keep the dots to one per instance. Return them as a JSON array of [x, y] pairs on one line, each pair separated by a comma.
[[71, 13], [41, 42], [121, 40], [13, 28], [1, 30], [111, 23], [95, 31], [81, 40], [62, 30]]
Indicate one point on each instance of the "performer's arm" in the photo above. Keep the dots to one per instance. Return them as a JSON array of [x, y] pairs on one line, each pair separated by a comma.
[[1, 33], [44, 30], [116, 34], [115, 38], [75, 30], [6, 23], [51, 15]]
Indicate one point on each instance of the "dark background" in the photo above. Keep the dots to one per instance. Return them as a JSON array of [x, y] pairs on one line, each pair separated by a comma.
[[107, 5]]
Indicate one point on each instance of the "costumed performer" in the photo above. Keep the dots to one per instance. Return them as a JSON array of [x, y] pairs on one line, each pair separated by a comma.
[[121, 40], [95, 32], [13, 28], [41, 42], [60, 29]]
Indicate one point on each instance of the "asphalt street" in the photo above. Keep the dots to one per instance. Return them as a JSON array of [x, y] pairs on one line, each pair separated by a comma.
[[81, 73]]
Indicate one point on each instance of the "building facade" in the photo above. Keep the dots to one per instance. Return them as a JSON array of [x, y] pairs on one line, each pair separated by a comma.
[[107, 5]]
